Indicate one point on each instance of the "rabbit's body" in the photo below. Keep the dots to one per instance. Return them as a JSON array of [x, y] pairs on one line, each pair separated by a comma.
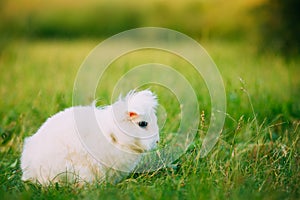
[[59, 145]]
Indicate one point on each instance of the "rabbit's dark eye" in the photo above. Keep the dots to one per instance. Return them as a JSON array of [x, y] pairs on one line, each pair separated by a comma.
[[143, 124]]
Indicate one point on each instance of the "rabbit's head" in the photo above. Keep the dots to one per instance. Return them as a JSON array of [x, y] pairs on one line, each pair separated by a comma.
[[136, 121]]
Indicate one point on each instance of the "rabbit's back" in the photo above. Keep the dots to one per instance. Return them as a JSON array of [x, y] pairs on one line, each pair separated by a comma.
[[55, 149]]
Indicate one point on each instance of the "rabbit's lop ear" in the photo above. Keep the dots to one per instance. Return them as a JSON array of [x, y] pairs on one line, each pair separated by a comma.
[[143, 102]]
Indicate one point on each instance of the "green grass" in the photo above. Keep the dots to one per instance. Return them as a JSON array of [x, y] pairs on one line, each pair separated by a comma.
[[92, 18], [256, 157]]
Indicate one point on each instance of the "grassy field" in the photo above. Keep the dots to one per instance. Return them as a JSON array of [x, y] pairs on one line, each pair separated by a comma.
[[256, 157]]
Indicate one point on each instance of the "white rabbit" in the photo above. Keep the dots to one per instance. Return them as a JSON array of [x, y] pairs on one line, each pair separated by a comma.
[[87, 144]]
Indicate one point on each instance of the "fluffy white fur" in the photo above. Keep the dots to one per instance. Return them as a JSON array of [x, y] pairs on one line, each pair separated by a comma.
[[59, 148]]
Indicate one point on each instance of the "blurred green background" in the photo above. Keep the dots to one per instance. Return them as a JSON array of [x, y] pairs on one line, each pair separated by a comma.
[[267, 24]]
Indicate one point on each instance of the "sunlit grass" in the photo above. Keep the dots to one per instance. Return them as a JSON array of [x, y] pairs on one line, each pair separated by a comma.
[[102, 18], [257, 155]]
